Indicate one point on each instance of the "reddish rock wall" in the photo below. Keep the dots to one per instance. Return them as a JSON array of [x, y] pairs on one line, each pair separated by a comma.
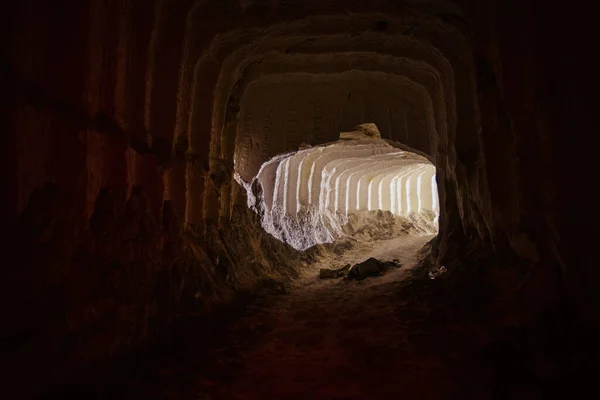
[[97, 193]]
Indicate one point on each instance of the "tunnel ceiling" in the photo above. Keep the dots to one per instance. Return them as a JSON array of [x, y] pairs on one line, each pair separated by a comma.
[[345, 100], [206, 85], [271, 84]]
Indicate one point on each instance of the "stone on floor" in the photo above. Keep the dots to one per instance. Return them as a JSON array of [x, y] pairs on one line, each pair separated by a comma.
[[366, 269]]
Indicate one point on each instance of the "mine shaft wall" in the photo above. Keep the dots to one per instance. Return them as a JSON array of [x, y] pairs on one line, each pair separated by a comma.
[[115, 209]]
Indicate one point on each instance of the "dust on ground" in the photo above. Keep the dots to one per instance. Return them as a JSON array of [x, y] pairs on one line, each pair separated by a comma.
[[324, 339], [332, 339]]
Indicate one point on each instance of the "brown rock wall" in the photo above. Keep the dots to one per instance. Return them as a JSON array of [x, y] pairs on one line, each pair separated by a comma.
[[115, 135]]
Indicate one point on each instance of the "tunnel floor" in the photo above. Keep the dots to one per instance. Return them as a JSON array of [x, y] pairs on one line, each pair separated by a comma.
[[321, 339], [331, 339]]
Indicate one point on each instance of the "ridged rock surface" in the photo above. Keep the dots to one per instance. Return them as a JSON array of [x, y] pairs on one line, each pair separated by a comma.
[[122, 121]]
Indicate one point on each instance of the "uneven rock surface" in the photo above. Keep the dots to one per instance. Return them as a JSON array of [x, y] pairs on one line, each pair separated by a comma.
[[331, 340], [307, 198], [368, 268], [325, 339], [326, 273], [124, 121]]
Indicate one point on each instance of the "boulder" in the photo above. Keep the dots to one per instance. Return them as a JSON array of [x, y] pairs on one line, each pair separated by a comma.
[[370, 267]]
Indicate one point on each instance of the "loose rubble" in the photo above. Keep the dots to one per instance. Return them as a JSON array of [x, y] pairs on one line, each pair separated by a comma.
[[358, 272]]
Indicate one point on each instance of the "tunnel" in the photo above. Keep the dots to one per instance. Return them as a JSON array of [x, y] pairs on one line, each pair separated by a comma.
[[180, 174], [319, 195]]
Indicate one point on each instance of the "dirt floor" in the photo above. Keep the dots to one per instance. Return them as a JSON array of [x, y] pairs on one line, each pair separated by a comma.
[[329, 339], [322, 339], [400, 335]]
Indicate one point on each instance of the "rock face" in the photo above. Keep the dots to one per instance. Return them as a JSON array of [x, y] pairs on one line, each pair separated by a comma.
[[309, 196], [363, 131], [123, 123]]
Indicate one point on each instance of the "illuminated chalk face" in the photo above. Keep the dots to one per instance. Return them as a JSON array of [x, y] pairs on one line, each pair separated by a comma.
[[308, 195]]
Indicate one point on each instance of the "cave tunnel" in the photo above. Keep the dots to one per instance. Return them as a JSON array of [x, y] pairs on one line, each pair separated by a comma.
[[326, 193], [194, 191]]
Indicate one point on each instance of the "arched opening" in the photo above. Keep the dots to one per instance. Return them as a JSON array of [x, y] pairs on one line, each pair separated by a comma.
[[332, 191]]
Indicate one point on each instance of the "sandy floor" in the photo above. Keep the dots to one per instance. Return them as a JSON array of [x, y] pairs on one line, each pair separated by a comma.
[[326, 339], [332, 339], [389, 337]]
